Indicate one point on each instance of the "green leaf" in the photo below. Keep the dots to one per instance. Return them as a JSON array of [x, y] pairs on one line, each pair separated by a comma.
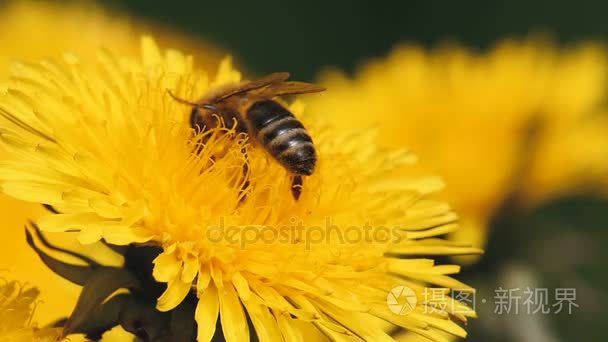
[[101, 284], [77, 274], [143, 320], [105, 317], [183, 325]]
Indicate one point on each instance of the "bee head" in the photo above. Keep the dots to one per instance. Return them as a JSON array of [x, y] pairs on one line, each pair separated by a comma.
[[204, 117]]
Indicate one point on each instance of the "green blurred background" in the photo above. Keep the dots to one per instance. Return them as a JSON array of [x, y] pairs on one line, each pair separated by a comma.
[[304, 36]]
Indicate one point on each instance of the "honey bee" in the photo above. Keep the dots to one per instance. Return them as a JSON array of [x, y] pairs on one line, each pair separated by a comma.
[[251, 106]]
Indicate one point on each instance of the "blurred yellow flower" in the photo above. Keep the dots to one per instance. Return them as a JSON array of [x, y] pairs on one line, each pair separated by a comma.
[[517, 119], [18, 260], [43, 29], [569, 157], [17, 305], [106, 145]]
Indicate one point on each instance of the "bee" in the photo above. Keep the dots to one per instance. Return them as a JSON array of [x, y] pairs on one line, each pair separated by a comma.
[[251, 105]]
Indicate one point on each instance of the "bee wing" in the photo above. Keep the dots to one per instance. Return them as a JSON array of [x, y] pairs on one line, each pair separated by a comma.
[[255, 84], [289, 88]]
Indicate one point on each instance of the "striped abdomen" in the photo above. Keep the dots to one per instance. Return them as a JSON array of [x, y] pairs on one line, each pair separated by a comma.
[[283, 136]]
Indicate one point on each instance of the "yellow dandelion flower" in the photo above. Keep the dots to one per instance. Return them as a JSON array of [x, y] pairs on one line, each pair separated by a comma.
[[411, 337], [17, 305], [106, 145], [469, 117]]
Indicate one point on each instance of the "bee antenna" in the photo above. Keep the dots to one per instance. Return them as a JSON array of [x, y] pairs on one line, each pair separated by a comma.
[[180, 100]]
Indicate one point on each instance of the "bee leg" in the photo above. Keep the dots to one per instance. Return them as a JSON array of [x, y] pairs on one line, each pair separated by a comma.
[[296, 186], [246, 183]]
